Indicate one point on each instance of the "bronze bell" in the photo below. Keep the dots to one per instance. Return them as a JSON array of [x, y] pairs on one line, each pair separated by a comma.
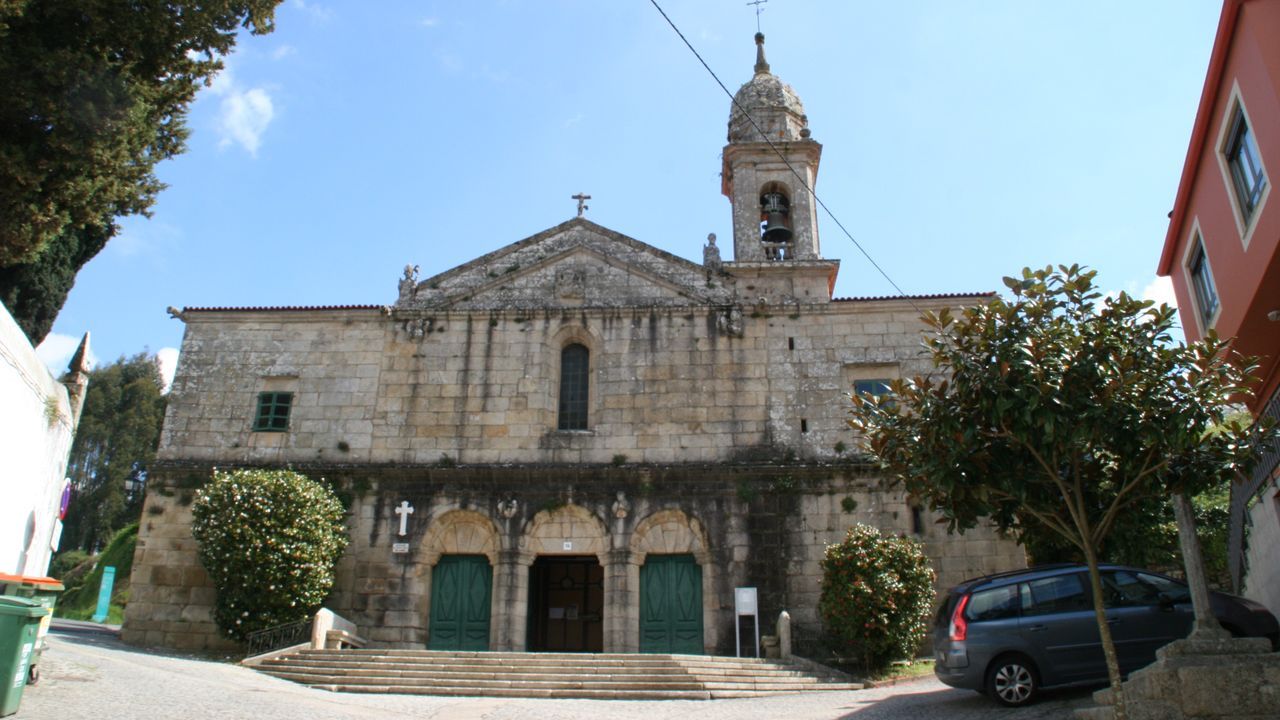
[[777, 228]]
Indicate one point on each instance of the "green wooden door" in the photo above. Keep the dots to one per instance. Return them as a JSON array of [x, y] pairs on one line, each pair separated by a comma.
[[671, 605], [461, 586]]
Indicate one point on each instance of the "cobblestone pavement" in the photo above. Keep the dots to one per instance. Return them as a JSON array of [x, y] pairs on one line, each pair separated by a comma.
[[92, 675]]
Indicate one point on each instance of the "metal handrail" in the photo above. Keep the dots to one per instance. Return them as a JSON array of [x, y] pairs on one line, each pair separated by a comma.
[[280, 636]]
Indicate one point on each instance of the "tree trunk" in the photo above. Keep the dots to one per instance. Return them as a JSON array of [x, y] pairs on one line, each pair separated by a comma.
[[1206, 625], [1104, 632]]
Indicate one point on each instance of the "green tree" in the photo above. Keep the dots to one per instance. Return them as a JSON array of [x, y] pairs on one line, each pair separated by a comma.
[[1061, 410], [1148, 537], [96, 92], [269, 540], [114, 445], [877, 593]]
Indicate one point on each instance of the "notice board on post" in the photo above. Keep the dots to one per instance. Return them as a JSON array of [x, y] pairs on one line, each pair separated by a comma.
[[746, 605]]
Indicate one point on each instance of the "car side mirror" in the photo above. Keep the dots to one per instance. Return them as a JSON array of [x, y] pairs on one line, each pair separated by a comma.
[[1166, 601]]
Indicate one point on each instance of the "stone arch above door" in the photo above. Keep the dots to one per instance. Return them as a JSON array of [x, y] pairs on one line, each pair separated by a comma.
[[668, 532], [461, 532], [549, 530]]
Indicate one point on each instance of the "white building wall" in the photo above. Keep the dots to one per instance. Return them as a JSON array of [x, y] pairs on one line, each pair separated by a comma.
[[36, 429]]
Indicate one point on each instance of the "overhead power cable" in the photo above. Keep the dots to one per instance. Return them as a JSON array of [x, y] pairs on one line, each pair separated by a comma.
[[799, 178]]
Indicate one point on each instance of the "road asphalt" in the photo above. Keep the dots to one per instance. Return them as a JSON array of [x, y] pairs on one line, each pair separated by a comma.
[[88, 673]]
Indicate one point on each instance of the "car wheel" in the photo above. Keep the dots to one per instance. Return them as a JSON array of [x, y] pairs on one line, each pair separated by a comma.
[[1012, 680]]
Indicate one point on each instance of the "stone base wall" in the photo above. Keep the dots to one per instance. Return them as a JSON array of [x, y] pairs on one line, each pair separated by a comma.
[[171, 597], [763, 526]]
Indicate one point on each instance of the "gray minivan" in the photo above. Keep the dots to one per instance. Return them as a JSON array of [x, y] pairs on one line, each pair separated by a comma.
[[1009, 635]]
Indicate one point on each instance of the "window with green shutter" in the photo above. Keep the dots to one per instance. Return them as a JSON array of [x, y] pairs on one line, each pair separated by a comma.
[[273, 412]]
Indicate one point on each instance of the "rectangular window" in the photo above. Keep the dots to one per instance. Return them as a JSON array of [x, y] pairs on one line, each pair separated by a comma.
[[1206, 293], [875, 387], [273, 412], [1245, 162], [1051, 595], [995, 604]]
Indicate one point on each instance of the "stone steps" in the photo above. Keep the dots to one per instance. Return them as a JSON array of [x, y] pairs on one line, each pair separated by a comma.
[[547, 675]]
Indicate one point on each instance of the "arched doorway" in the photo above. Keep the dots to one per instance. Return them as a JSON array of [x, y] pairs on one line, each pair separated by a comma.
[[461, 548], [567, 613], [675, 584]]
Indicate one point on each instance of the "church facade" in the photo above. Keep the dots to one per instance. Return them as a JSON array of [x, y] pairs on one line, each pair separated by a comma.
[[576, 442]]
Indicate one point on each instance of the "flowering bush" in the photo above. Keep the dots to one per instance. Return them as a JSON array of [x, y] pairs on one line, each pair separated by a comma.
[[877, 593], [269, 539]]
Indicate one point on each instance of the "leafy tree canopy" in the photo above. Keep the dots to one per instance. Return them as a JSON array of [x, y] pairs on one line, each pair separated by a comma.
[[114, 445], [1063, 410], [96, 92]]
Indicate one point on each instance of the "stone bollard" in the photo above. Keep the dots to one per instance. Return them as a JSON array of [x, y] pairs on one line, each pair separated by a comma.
[[784, 634]]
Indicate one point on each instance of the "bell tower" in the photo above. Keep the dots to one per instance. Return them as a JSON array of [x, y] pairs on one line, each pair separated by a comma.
[[774, 218]]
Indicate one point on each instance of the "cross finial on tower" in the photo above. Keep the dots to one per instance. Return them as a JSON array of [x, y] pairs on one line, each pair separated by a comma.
[[582, 202], [759, 10]]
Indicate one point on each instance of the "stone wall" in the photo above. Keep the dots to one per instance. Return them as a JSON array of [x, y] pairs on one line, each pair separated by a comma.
[[765, 526], [667, 385]]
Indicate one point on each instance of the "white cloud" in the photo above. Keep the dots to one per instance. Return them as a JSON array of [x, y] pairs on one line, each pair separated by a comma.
[[283, 51], [244, 114], [430, 22], [167, 358], [317, 12], [1161, 291], [449, 61], [244, 117], [573, 121], [56, 351]]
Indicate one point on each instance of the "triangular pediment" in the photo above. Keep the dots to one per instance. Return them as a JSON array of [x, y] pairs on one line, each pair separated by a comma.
[[575, 264]]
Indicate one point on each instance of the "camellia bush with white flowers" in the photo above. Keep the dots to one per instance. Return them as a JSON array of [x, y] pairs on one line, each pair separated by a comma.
[[877, 594], [269, 540]]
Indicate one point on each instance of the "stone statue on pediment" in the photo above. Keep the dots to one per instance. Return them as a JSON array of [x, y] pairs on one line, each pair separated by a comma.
[[409, 283]]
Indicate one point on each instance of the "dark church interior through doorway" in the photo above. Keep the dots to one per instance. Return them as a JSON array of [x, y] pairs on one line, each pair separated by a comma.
[[566, 604]]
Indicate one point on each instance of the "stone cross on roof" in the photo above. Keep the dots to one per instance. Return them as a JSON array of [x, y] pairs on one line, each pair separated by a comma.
[[582, 202]]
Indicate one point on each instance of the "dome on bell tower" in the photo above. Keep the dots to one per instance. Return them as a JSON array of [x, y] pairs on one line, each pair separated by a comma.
[[774, 106]]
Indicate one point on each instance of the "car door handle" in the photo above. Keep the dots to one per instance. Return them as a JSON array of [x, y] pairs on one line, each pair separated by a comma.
[[1113, 621], [1037, 628]]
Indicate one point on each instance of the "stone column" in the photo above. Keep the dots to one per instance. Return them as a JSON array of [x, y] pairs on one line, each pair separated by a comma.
[[622, 601], [510, 600]]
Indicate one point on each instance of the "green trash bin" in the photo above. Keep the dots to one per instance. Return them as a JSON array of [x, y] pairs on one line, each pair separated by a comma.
[[19, 628], [44, 590]]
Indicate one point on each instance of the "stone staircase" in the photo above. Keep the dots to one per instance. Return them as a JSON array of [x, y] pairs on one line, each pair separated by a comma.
[[548, 675]]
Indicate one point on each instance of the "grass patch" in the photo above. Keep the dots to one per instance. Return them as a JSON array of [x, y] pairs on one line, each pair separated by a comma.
[[905, 670], [80, 599]]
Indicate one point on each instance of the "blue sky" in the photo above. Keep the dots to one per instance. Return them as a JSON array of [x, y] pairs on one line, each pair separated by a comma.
[[962, 141]]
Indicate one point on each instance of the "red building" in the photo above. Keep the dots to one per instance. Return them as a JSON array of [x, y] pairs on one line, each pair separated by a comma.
[[1221, 249]]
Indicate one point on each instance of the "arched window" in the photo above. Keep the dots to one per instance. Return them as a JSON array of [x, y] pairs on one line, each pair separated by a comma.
[[574, 364]]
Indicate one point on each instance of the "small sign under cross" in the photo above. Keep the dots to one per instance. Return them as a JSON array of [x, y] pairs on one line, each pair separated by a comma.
[[404, 511], [582, 202]]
